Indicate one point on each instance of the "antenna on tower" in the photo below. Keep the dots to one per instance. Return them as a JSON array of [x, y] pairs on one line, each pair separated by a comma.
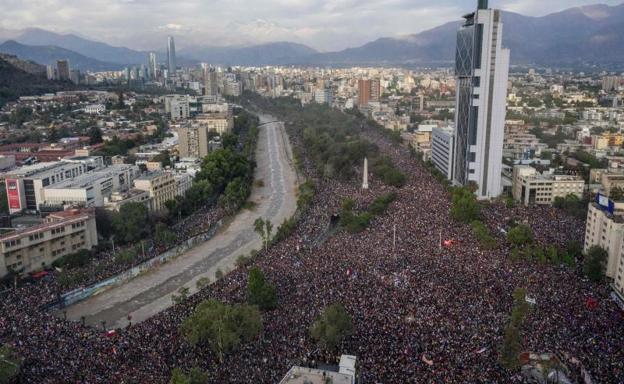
[[483, 4]]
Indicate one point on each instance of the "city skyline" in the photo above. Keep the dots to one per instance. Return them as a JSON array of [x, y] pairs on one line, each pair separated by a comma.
[[323, 25]]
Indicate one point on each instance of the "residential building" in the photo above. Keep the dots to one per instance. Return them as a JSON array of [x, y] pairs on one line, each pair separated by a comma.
[[519, 145], [34, 248], [211, 85], [368, 91], [324, 96], [605, 228], [216, 122], [530, 187], [177, 106], [442, 144], [161, 187], [62, 68], [611, 83], [481, 69]]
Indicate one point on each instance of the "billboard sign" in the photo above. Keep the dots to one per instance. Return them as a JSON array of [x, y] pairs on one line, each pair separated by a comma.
[[605, 203], [13, 194]]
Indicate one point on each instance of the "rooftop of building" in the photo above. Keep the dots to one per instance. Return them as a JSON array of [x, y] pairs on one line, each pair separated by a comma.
[[301, 375], [86, 179], [38, 169], [151, 175], [58, 219]]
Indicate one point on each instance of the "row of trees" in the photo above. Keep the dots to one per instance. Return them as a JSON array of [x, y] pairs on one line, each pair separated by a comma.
[[513, 344], [357, 222], [332, 139]]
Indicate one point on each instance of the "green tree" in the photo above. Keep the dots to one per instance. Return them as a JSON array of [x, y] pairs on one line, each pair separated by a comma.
[[512, 341], [95, 135], [164, 236], [9, 364], [263, 228], [259, 291], [465, 207], [617, 194], [4, 202], [520, 235], [222, 327], [595, 263], [195, 376], [332, 326], [131, 224]]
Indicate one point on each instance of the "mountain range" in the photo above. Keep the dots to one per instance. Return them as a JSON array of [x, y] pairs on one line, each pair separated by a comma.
[[591, 34], [19, 78]]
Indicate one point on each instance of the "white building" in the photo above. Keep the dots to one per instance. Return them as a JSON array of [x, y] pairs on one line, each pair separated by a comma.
[[25, 185], [91, 189], [324, 96], [606, 230], [482, 70], [177, 106], [442, 145], [95, 109], [530, 187]]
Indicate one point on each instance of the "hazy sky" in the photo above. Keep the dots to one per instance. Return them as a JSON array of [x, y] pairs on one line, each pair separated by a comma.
[[322, 24]]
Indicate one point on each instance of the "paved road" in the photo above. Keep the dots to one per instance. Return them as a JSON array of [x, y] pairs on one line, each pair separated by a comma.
[[151, 293]]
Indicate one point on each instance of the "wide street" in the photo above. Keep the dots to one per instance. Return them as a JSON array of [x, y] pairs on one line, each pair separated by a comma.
[[150, 293]]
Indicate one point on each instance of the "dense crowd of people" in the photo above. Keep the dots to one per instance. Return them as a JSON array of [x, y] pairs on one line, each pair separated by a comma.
[[105, 263], [421, 312]]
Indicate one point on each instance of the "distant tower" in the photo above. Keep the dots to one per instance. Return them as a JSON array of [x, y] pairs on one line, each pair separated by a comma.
[[62, 67], [171, 56], [365, 176], [152, 66]]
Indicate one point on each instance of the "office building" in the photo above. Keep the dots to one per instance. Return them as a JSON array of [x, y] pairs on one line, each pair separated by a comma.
[[161, 187], [442, 145], [152, 66], [177, 106], [605, 228], [35, 248], [211, 82], [171, 57], [25, 185], [529, 187], [62, 70], [90, 189], [481, 70]]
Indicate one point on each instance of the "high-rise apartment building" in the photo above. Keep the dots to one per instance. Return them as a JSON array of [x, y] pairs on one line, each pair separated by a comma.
[[152, 66], [62, 68], [368, 90], [171, 57], [482, 71], [211, 84]]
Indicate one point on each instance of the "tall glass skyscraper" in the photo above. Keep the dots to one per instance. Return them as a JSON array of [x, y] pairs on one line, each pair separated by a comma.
[[152, 66], [482, 71], [171, 57]]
